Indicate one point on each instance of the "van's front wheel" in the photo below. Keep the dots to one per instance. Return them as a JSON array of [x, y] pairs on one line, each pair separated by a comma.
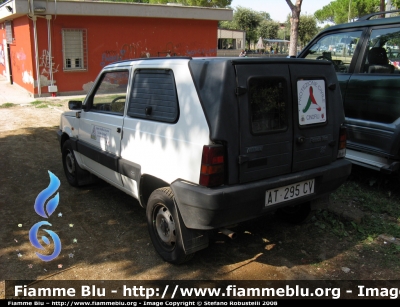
[[164, 228], [76, 176], [69, 164]]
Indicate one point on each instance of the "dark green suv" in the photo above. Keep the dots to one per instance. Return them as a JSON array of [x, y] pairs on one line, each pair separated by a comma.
[[366, 57]]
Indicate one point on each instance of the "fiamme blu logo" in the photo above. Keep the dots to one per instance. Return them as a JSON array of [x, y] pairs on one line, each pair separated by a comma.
[[45, 207]]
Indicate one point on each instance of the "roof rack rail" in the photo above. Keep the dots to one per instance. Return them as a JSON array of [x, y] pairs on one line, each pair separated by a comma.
[[150, 59], [367, 17]]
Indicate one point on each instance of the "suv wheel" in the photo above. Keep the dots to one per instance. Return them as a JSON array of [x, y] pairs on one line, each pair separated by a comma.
[[164, 228], [294, 214]]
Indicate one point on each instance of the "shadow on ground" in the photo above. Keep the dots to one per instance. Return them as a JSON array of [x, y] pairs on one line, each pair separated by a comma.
[[104, 234]]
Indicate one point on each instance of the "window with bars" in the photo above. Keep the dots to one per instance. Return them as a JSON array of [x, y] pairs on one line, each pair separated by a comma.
[[74, 49], [9, 32]]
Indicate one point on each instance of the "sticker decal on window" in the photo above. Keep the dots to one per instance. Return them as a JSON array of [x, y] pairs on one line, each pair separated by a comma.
[[312, 101]]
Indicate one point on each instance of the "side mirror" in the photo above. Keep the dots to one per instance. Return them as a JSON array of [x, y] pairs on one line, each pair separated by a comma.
[[75, 105]]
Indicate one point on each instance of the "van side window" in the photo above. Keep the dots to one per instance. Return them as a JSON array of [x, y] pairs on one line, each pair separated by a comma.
[[153, 96], [267, 105], [383, 55], [110, 96], [337, 48]]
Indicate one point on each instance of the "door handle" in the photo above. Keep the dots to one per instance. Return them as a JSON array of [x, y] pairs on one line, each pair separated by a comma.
[[301, 139], [118, 130], [243, 159]]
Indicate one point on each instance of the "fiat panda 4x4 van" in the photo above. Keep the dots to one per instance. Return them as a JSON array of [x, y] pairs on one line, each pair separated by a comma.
[[207, 143]]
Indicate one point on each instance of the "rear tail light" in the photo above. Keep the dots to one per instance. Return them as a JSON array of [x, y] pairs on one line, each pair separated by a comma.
[[212, 166], [342, 142]]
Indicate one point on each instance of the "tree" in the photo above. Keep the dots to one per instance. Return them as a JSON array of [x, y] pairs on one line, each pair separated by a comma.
[[341, 11], [227, 24], [208, 3], [307, 28], [294, 25], [203, 3], [287, 27], [267, 16], [284, 33], [247, 20], [268, 29], [131, 1], [255, 24], [396, 3]]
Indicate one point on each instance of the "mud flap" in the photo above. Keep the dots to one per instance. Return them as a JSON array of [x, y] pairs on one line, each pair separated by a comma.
[[193, 240]]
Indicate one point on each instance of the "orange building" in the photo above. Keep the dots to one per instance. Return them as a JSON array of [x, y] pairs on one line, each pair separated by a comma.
[[60, 47]]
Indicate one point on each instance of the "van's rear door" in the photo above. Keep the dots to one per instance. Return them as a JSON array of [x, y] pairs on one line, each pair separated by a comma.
[[266, 120], [313, 136], [284, 121]]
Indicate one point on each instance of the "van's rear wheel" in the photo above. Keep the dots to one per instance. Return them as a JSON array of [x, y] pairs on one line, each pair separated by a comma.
[[164, 228], [294, 214]]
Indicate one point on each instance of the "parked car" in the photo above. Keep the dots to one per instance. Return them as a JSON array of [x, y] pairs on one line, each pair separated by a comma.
[[207, 143], [369, 80]]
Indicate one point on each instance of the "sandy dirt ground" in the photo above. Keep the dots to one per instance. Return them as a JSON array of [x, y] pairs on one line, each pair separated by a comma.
[[104, 234]]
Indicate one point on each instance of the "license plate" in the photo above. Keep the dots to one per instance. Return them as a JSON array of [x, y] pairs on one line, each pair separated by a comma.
[[289, 192]]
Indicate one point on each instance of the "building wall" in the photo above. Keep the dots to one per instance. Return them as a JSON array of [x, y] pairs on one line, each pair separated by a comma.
[[3, 50], [108, 39], [231, 39], [21, 54]]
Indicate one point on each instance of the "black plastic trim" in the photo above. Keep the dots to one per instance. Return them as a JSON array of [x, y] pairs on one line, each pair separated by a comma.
[[215, 83], [74, 143], [59, 135], [104, 158], [109, 160], [207, 209]]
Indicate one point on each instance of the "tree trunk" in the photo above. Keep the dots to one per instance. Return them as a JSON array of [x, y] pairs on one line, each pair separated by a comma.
[[294, 26], [382, 8]]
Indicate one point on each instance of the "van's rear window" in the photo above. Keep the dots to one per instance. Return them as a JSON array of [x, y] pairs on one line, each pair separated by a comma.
[[267, 105]]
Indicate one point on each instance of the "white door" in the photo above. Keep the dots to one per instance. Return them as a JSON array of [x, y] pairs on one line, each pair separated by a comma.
[[100, 126]]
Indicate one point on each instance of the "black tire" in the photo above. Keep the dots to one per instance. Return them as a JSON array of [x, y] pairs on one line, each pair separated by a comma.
[[294, 214], [76, 176], [164, 227]]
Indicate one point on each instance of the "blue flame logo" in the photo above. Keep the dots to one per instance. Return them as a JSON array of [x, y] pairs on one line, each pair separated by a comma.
[[41, 208], [45, 194]]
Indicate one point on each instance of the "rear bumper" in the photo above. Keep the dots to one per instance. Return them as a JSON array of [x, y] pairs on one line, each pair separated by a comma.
[[206, 209]]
